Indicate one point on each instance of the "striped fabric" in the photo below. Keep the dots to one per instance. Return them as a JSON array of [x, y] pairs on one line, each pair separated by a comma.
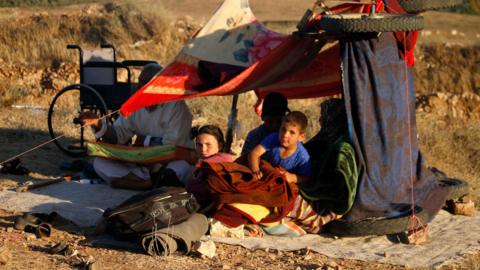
[[140, 155], [303, 219], [310, 218], [284, 228]]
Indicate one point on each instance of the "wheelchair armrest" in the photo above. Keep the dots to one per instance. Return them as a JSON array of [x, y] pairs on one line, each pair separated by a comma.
[[138, 63]]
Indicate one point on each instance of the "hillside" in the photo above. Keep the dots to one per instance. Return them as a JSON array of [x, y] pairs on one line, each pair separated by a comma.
[[35, 65]]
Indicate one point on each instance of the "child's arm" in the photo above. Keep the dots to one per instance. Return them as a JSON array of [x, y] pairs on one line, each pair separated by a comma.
[[297, 179], [254, 160]]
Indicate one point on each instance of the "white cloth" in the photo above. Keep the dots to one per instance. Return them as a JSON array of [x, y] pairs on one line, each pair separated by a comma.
[[111, 169], [182, 169], [170, 121]]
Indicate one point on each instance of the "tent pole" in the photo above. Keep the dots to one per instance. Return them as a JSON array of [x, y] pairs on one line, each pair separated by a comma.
[[232, 119]]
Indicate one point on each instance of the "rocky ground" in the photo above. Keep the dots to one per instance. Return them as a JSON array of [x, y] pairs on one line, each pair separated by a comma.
[[448, 86]]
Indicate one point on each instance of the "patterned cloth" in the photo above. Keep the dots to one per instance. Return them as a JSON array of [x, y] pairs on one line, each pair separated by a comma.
[[310, 217], [235, 37], [335, 179], [284, 228], [302, 219], [198, 185], [379, 97]]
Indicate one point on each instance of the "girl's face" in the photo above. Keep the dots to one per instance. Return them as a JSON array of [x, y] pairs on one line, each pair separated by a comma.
[[206, 145]]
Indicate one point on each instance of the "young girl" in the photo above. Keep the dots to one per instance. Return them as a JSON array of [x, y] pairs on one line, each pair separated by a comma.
[[209, 144]]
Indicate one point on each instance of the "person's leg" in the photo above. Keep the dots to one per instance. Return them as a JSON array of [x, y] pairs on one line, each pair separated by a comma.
[[182, 169], [119, 174], [131, 181]]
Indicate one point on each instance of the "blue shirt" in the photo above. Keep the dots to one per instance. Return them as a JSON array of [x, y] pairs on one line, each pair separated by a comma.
[[297, 163], [254, 138]]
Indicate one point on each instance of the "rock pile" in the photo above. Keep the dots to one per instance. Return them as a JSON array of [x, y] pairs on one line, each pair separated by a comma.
[[465, 106]]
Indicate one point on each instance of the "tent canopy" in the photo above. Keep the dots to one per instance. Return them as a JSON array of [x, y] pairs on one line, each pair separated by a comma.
[[235, 53]]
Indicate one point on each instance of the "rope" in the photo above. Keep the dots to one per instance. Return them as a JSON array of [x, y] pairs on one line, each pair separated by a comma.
[[49, 141], [413, 218]]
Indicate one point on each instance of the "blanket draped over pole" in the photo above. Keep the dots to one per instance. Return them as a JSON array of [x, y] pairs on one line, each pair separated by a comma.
[[234, 53], [380, 103]]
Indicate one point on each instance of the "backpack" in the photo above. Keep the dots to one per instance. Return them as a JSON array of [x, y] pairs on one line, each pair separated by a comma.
[[148, 211]]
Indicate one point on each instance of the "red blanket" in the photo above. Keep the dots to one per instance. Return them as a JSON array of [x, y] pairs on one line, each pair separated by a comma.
[[235, 183]]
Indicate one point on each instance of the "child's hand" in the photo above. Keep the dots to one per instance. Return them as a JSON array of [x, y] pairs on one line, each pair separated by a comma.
[[291, 177], [281, 170], [258, 174]]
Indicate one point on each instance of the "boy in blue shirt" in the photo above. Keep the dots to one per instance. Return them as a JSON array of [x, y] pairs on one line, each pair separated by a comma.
[[285, 150]]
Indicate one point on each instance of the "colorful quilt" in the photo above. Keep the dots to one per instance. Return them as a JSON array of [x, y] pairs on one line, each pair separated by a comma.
[[264, 60], [140, 155]]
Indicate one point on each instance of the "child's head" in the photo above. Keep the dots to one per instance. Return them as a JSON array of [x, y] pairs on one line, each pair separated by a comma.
[[293, 129], [209, 140], [274, 108]]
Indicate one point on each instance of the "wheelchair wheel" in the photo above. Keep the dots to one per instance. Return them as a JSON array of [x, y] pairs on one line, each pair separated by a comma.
[[364, 23], [63, 117]]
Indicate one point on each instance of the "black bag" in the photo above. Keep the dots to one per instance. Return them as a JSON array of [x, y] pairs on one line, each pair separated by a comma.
[[149, 211]]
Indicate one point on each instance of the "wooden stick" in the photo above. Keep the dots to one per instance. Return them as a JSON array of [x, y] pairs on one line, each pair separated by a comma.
[[25, 188]]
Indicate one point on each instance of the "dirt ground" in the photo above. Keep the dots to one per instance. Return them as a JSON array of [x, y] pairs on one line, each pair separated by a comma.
[[22, 129]]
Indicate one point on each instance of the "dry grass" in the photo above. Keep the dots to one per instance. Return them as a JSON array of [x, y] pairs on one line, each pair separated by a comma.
[[40, 40], [16, 3], [215, 110], [452, 146]]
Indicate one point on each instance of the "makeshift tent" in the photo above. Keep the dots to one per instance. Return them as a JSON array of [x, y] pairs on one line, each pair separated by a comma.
[[234, 53]]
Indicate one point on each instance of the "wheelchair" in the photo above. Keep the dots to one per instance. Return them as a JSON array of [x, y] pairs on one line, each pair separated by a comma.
[[99, 91]]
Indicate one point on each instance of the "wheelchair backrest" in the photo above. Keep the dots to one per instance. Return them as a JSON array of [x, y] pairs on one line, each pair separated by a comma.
[[98, 75]]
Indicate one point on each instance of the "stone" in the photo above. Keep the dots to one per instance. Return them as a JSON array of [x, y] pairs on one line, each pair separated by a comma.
[[464, 208], [30, 237], [5, 255], [466, 198], [218, 229], [207, 249], [418, 236]]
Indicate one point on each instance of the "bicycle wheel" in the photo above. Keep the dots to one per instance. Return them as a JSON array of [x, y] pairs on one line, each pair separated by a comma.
[[63, 117], [378, 226], [364, 23], [458, 188]]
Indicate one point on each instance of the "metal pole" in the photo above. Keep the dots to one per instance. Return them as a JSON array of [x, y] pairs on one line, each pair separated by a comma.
[[232, 119]]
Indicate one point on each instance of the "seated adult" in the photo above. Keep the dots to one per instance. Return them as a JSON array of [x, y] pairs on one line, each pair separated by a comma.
[[274, 108], [333, 161], [163, 124], [333, 126]]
